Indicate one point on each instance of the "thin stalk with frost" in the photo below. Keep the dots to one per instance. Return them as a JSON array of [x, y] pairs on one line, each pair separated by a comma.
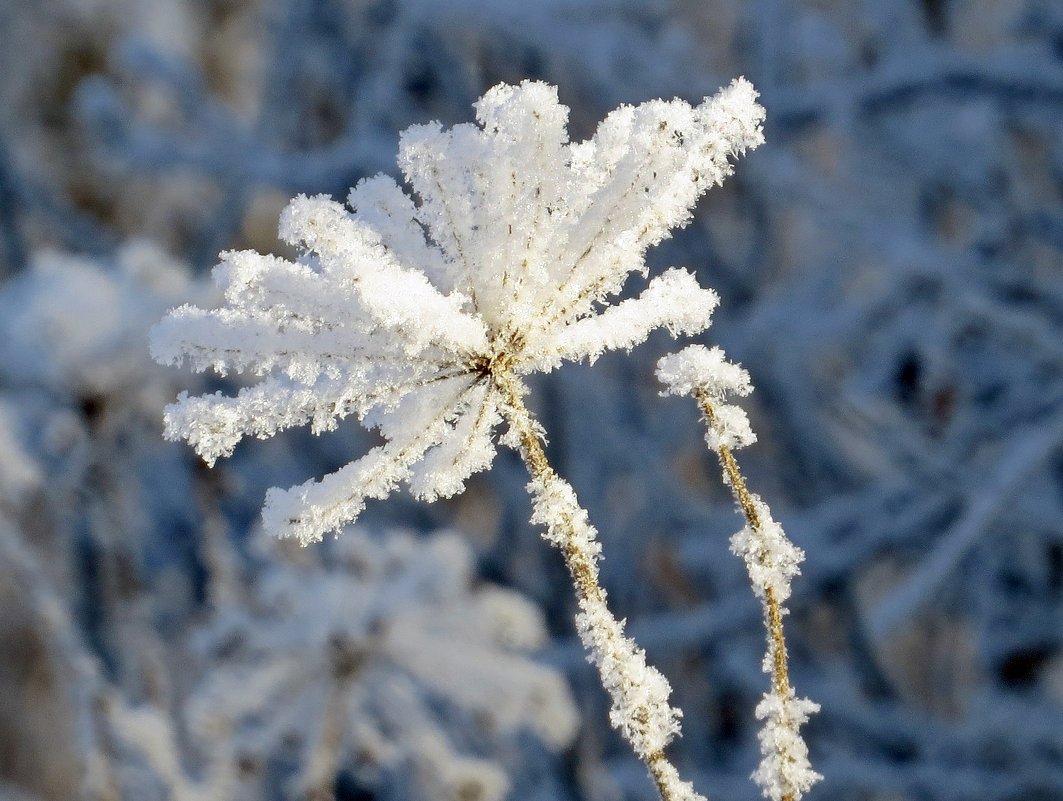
[[771, 559], [422, 320], [638, 692]]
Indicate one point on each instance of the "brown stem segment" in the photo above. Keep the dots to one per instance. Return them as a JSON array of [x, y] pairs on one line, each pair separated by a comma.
[[580, 566], [772, 608]]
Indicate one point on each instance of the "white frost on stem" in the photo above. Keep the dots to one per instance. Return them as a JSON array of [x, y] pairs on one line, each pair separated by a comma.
[[771, 560], [784, 770], [638, 692]]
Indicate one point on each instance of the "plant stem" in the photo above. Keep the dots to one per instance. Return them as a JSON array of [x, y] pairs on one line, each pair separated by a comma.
[[773, 611], [580, 563]]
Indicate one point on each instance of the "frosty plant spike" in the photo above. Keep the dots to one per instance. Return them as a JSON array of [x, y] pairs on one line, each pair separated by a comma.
[[423, 319], [771, 559]]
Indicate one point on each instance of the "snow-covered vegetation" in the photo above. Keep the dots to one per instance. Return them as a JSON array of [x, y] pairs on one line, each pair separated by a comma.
[[888, 271], [424, 318]]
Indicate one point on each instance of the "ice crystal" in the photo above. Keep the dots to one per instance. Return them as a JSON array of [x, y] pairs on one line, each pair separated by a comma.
[[402, 313], [784, 772]]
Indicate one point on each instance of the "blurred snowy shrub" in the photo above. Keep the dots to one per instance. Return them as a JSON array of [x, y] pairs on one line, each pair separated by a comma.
[[379, 658], [79, 390], [216, 125], [75, 325], [19, 471]]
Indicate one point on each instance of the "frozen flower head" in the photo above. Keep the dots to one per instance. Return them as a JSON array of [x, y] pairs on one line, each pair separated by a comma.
[[421, 316]]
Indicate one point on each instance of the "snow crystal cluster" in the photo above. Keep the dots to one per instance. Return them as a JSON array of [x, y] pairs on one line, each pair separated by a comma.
[[784, 772], [400, 313], [697, 369], [771, 559]]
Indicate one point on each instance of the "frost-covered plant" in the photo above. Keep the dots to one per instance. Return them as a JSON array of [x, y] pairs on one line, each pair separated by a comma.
[[423, 319], [328, 664], [772, 560]]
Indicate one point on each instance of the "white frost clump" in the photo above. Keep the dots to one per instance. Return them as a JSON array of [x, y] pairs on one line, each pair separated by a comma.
[[402, 313], [771, 559], [699, 369], [363, 661], [785, 770]]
